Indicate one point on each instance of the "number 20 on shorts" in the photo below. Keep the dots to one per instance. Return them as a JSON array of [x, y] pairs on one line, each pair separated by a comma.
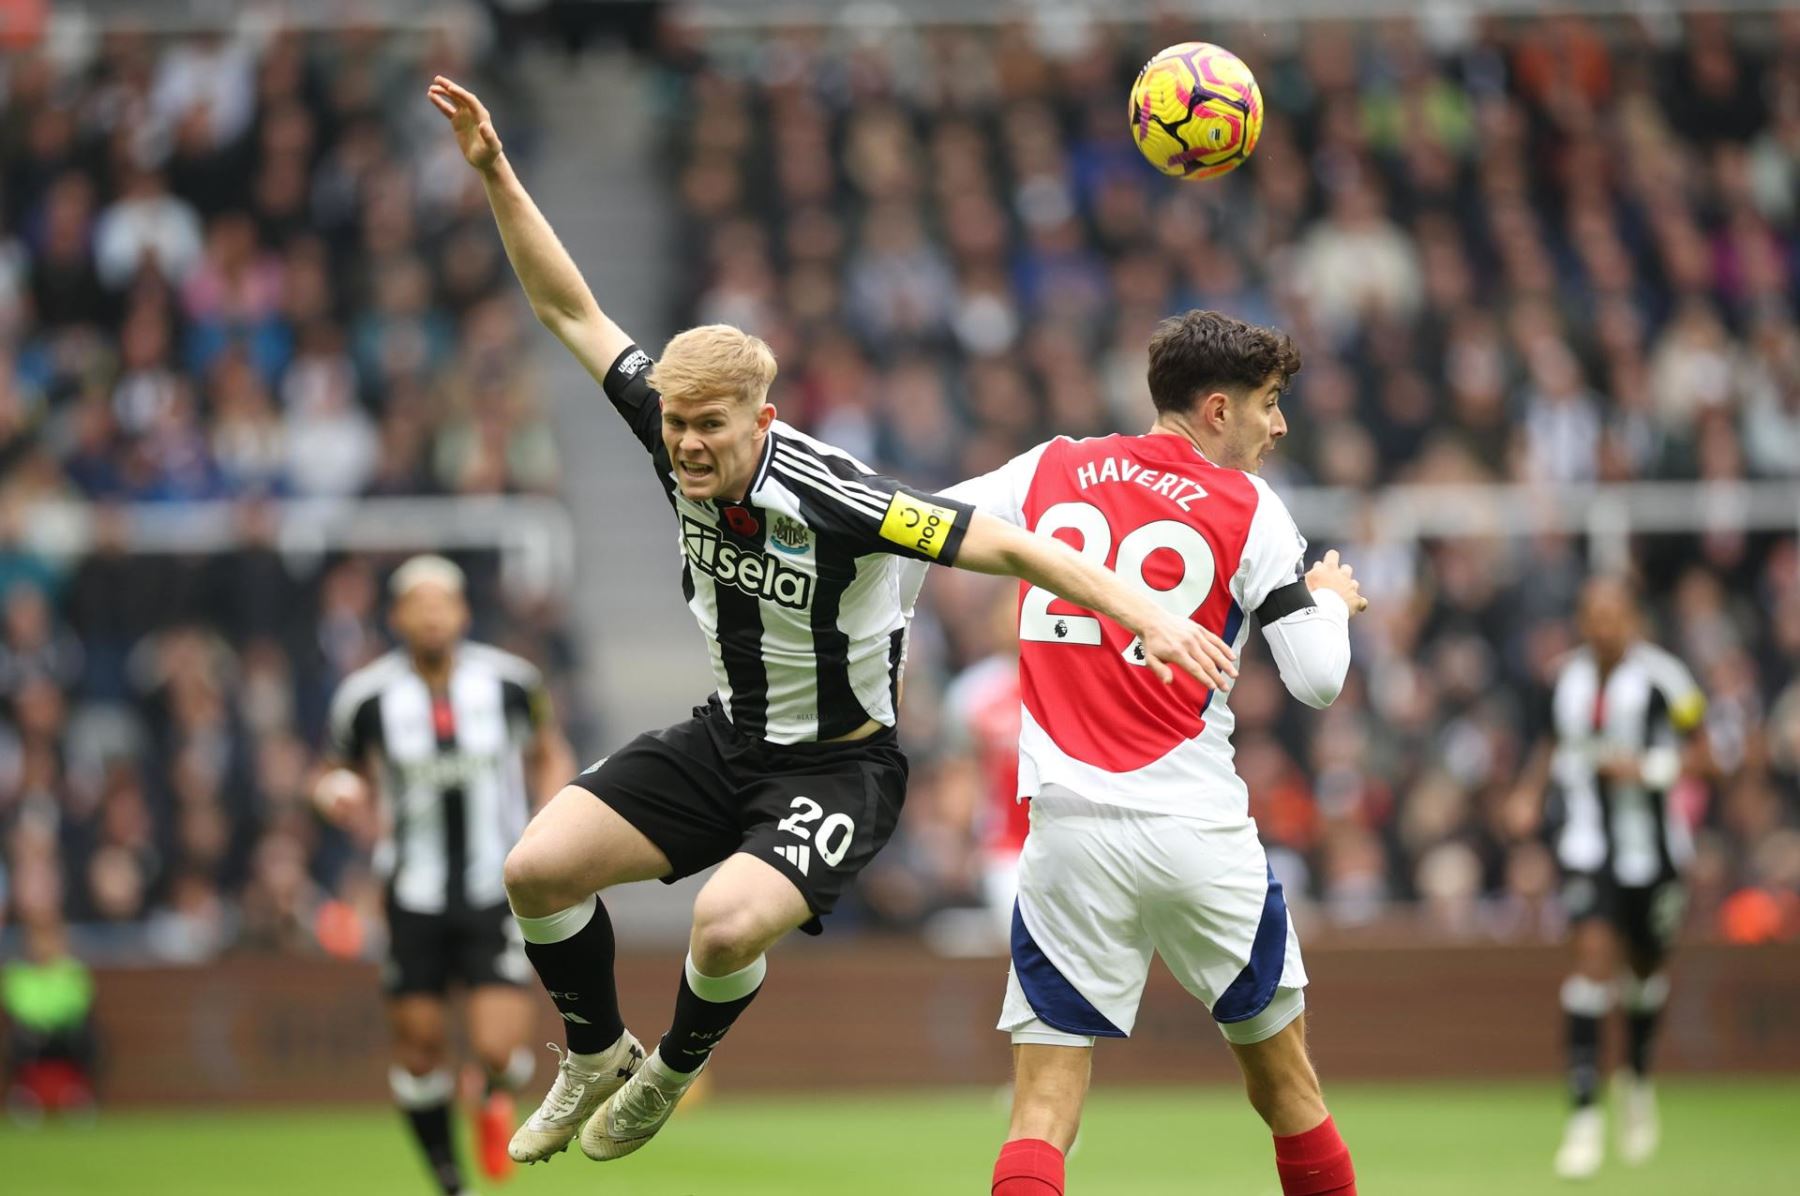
[[834, 835]]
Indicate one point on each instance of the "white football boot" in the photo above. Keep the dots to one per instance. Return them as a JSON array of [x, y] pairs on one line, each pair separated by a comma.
[[572, 1099], [1584, 1144], [633, 1114], [1640, 1129]]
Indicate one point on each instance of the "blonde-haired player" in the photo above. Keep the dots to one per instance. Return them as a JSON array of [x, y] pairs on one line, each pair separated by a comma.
[[790, 777]]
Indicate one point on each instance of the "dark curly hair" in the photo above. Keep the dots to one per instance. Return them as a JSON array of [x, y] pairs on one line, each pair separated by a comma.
[[1194, 354]]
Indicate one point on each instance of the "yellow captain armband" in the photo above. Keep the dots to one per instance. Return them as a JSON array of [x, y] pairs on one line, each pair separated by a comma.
[[918, 525], [540, 708], [1687, 713]]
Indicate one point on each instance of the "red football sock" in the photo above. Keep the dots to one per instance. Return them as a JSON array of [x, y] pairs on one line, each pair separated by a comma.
[[1029, 1167], [1316, 1163]]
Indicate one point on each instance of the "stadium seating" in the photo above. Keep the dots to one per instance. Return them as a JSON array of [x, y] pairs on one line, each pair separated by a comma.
[[246, 269], [232, 268]]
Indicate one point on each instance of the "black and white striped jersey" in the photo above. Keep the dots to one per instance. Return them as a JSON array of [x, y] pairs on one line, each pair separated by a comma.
[[1638, 710], [450, 768], [797, 587]]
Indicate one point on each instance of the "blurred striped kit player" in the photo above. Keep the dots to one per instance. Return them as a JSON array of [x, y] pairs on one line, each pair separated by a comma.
[[1623, 724], [441, 745]]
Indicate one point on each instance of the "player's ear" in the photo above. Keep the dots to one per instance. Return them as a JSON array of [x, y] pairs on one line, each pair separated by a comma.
[[1214, 409], [765, 415]]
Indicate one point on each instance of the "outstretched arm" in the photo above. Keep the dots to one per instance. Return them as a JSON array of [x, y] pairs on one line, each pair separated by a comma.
[[994, 546], [878, 514], [559, 296]]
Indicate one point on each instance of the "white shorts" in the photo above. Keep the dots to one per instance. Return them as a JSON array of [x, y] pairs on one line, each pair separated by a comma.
[[1102, 887]]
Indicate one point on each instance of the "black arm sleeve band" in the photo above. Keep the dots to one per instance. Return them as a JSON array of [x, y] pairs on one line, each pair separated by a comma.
[[1285, 601], [628, 386]]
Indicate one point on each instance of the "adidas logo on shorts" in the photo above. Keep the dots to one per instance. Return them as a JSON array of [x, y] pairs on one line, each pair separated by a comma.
[[800, 856]]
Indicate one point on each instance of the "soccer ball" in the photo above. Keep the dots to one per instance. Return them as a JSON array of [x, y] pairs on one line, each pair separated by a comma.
[[1196, 111]]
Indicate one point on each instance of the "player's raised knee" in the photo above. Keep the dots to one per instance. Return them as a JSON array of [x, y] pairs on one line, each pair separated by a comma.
[[533, 884], [726, 937]]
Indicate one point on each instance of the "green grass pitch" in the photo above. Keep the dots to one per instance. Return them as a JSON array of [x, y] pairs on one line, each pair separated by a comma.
[[1721, 1137]]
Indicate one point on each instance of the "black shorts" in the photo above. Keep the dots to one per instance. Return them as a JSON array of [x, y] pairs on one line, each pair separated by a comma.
[[473, 947], [1646, 917], [701, 792]]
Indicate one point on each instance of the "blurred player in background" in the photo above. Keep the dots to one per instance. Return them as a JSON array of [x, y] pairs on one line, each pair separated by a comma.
[[1622, 728], [1141, 841], [443, 744], [47, 1003], [791, 777], [981, 717]]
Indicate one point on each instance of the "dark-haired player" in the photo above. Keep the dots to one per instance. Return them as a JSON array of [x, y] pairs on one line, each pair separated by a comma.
[[1622, 721], [1141, 841], [447, 744]]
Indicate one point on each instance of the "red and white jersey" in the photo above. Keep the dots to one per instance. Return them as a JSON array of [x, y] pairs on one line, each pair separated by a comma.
[[982, 709], [1208, 543]]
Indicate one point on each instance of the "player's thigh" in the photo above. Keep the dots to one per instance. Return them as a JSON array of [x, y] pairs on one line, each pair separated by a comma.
[[420, 954], [1650, 919], [1219, 918], [576, 845], [419, 1025], [745, 908], [1591, 899], [664, 806], [1080, 955], [1594, 948]]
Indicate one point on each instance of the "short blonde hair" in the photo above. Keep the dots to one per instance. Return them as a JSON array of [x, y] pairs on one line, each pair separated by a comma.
[[715, 361]]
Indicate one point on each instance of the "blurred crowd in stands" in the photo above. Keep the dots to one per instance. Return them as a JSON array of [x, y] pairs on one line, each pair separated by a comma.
[[239, 271], [1543, 252], [242, 271]]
